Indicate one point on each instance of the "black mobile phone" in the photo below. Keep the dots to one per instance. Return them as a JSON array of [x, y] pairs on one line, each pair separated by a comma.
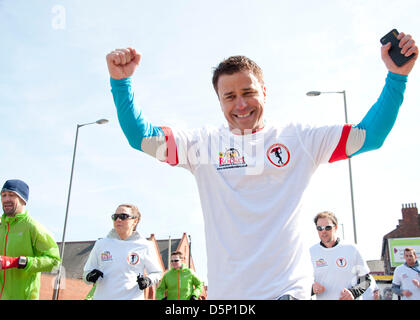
[[395, 50]]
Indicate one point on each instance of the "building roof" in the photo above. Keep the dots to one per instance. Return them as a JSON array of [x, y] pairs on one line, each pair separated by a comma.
[[75, 257], [163, 249]]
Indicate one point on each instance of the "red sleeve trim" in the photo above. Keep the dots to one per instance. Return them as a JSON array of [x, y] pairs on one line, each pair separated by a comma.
[[171, 150], [340, 151]]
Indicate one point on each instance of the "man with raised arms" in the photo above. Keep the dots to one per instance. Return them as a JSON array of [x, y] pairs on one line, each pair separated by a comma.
[[251, 199]]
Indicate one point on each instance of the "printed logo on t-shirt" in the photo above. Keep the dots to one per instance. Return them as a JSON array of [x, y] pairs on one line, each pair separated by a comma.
[[405, 276], [321, 263], [106, 256], [230, 159], [341, 262], [278, 154], [133, 258]]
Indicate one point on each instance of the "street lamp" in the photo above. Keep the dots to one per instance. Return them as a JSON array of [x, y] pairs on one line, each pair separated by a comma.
[[58, 279], [317, 93], [189, 250]]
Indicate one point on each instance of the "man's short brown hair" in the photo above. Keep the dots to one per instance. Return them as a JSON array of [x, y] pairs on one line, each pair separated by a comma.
[[177, 253], [327, 215], [236, 64], [409, 249]]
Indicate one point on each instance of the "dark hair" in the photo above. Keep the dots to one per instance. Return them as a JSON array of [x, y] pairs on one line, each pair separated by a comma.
[[409, 249], [177, 253], [328, 215], [236, 64]]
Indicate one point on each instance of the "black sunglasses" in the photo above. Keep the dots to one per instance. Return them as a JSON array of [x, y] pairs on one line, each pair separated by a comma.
[[175, 260], [328, 228], [121, 216]]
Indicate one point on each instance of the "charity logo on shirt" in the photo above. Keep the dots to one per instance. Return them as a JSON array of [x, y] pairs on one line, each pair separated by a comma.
[[133, 258], [341, 262], [106, 256], [278, 154], [321, 263], [231, 158]]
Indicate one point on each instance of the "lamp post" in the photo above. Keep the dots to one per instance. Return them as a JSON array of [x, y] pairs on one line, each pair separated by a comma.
[[58, 279], [189, 251], [317, 93]]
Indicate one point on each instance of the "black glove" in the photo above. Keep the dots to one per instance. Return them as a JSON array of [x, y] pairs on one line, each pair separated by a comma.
[[193, 298], [94, 275], [143, 282]]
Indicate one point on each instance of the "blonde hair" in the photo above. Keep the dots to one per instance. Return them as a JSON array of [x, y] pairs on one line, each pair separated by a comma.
[[134, 211]]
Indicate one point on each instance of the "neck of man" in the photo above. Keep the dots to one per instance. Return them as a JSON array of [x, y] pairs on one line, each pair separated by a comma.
[[242, 132], [330, 244], [19, 209], [412, 264]]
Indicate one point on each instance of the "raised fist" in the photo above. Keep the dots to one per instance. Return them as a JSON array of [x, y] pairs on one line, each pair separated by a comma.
[[122, 62]]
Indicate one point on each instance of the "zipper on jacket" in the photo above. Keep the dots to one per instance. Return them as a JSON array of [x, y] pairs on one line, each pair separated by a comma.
[[178, 283], [4, 271]]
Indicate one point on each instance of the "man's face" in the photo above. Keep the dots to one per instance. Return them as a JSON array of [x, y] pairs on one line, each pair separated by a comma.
[[176, 261], [410, 257], [11, 203], [327, 237], [242, 98]]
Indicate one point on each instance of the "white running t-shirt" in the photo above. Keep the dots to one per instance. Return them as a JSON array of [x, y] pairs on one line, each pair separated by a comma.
[[337, 268], [251, 188]]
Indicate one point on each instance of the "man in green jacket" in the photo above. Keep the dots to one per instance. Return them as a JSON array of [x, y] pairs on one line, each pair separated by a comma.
[[180, 282], [26, 247]]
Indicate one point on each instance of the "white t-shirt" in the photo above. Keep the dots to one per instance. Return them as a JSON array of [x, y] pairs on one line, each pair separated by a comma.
[[403, 276], [251, 188], [337, 268], [121, 261]]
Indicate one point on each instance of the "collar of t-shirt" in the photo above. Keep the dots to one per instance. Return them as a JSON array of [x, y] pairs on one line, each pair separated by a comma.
[[323, 245], [415, 267]]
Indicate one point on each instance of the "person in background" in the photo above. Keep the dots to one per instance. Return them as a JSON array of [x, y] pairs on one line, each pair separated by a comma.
[[340, 271], [371, 293], [117, 263], [406, 280], [180, 282], [27, 248], [387, 293]]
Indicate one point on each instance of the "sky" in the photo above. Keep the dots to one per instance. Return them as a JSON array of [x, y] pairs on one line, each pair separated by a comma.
[[54, 76]]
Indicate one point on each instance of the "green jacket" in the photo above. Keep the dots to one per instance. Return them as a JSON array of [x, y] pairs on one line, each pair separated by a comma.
[[179, 284], [21, 235]]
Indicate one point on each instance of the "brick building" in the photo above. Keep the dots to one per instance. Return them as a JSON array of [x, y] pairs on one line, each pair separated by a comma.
[[408, 227], [76, 253]]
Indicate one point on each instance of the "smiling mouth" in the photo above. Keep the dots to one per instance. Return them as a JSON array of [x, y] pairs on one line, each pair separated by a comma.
[[240, 116]]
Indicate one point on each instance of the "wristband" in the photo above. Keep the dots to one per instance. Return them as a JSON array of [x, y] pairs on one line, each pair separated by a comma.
[[22, 261]]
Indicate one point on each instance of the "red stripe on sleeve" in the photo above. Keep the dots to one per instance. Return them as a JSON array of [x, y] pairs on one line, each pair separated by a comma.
[[171, 150], [340, 151]]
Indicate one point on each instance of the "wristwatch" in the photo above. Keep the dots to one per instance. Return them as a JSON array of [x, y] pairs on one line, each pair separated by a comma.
[[22, 262]]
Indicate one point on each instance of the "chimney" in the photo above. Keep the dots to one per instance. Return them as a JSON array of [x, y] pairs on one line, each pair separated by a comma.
[[409, 212]]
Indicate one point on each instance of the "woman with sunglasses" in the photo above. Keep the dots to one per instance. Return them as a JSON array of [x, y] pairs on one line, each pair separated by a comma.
[[117, 263], [340, 271]]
